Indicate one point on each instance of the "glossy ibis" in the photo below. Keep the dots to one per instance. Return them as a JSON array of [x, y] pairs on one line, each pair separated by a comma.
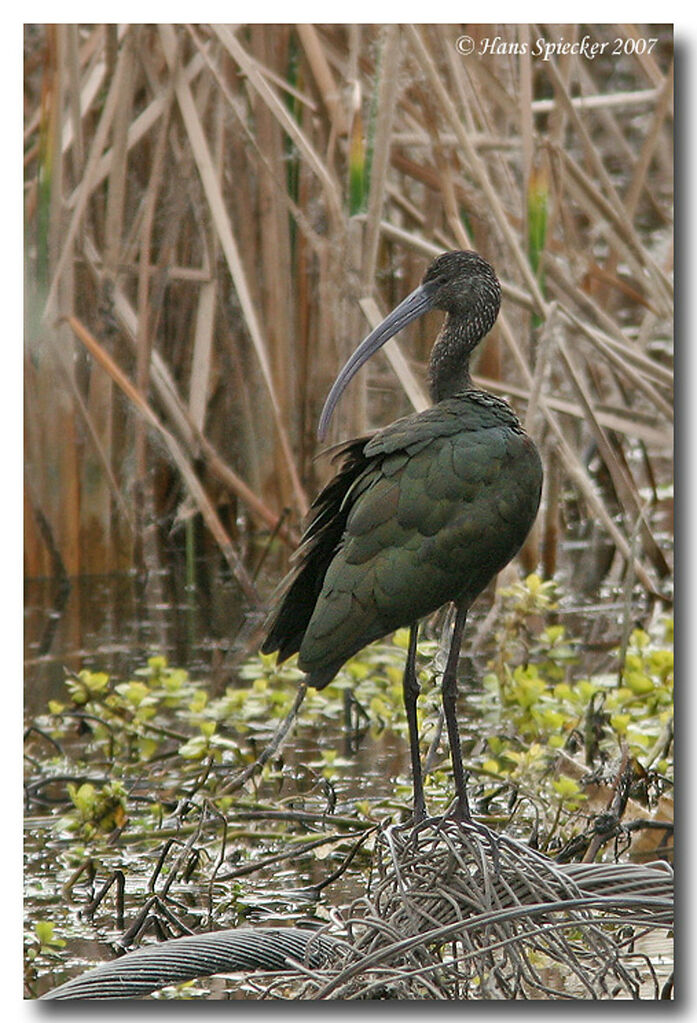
[[421, 513]]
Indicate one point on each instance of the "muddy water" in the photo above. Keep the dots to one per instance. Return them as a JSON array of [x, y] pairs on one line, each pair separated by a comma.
[[113, 624]]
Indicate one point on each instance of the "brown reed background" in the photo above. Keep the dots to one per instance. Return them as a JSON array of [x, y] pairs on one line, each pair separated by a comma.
[[215, 215]]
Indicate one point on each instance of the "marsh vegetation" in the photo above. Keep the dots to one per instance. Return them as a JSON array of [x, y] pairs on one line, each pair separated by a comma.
[[215, 216]]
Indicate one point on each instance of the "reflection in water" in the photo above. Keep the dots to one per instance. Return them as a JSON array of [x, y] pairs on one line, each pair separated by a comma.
[[112, 624]]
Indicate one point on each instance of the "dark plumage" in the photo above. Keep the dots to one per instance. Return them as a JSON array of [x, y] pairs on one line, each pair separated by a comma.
[[424, 512]]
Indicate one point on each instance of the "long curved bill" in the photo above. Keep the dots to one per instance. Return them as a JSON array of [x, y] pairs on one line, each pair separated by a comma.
[[413, 306]]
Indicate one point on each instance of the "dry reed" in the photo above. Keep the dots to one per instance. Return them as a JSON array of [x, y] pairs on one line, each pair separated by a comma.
[[191, 209]]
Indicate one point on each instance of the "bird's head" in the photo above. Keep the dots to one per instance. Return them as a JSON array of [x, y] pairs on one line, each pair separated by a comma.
[[460, 283]]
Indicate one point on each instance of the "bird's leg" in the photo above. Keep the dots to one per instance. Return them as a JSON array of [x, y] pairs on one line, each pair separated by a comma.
[[449, 689], [411, 689]]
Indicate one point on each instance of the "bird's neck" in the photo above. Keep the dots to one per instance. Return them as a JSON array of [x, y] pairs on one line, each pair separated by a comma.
[[449, 366], [464, 327]]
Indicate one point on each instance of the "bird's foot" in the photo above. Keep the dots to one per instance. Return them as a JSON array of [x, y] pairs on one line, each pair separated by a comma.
[[419, 814], [462, 815], [461, 810]]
